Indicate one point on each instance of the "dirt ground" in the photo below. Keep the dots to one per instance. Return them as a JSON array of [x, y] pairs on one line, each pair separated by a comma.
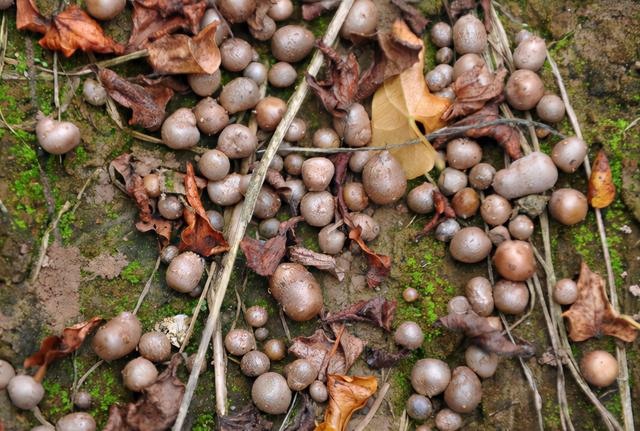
[[97, 263]]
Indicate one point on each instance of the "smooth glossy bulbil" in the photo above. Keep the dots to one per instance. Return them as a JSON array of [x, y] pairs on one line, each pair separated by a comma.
[[565, 292], [118, 337], [511, 297], [355, 127], [300, 374], [465, 63], [383, 179], [568, 206], [420, 198], [458, 305], [240, 94], [318, 208], [441, 34], [514, 260], [419, 407], [297, 291], [451, 181], [57, 137], [469, 35], [481, 176], [463, 153], [211, 118], [495, 210], [521, 227], [214, 165], [569, 154], [448, 420], [204, 84], [235, 54], [470, 245], [317, 173], [271, 394], [318, 392], [409, 335], [524, 89], [331, 239], [369, 228], [239, 342], [599, 368], [25, 393], [282, 75], [430, 377], [93, 92], [184, 272], [269, 112], [138, 374], [155, 346], [446, 230], [361, 21], [355, 196], [530, 54], [226, 191], [464, 392], [256, 316], [465, 203], [292, 43], [550, 108], [237, 141], [254, 363], [237, 11], [275, 349], [105, 9], [482, 363], [180, 130]]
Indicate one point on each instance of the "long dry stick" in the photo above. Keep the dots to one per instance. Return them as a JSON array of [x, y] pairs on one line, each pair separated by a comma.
[[196, 311], [239, 227], [621, 353], [374, 408]]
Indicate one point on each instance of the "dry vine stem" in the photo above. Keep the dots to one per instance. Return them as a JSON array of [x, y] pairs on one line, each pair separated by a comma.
[[238, 227]]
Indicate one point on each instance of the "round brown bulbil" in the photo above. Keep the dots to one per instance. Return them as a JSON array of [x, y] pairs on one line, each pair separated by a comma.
[[511, 297], [239, 342], [211, 118], [300, 374], [463, 153], [256, 71], [275, 349], [464, 392], [495, 210], [269, 112], [524, 89], [479, 292], [317, 208], [568, 206], [599, 368], [292, 43], [514, 260], [179, 131], [420, 198], [138, 374], [355, 197], [240, 94], [465, 203], [430, 377], [469, 35], [481, 176], [317, 173], [118, 337], [282, 75], [470, 245], [383, 179], [170, 207], [451, 181], [361, 21], [204, 84], [441, 34], [237, 11], [256, 316], [155, 346], [331, 239], [271, 394], [569, 154], [184, 272], [214, 165], [254, 363], [355, 127], [550, 108], [237, 141], [297, 291], [565, 292], [409, 335], [235, 54]]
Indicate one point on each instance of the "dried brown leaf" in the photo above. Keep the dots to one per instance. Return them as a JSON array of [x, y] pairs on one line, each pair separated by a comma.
[[592, 314], [147, 103], [246, 419], [313, 9], [28, 17], [413, 16], [263, 257], [351, 346], [181, 54], [317, 350], [323, 262], [55, 347], [474, 89], [347, 394], [199, 236], [379, 358], [377, 311], [601, 190], [442, 211], [459, 7], [484, 335], [305, 420]]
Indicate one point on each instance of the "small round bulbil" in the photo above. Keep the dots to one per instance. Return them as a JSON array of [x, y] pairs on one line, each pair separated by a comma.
[[331, 239], [524, 89], [530, 54], [451, 181], [185, 271], [484, 364], [155, 346], [296, 131], [358, 161], [409, 335], [499, 234], [410, 294], [481, 176], [463, 153], [361, 21], [383, 179], [317, 208], [317, 173], [118, 337], [271, 394], [280, 10], [495, 210], [269, 112], [240, 94], [138, 374], [430, 377], [152, 185], [57, 137], [446, 230], [275, 349], [256, 316], [599, 368], [419, 407], [239, 342], [326, 137], [464, 392], [297, 291], [470, 245], [170, 207], [466, 63], [256, 71], [292, 43], [521, 227], [282, 75], [318, 392], [300, 374], [105, 9], [420, 199], [235, 54], [226, 191], [211, 118], [261, 334], [458, 305], [180, 130], [93, 92], [565, 292], [355, 127], [550, 108], [448, 420], [78, 421], [444, 55], [214, 165], [514, 260], [237, 141], [441, 34], [355, 197], [369, 228], [254, 363], [465, 203], [82, 400], [469, 35], [267, 204], [568, 206], [511, 297], [293, 164], [25, 393], [268, 228], [237, 11], [569, 154], [204, 84]]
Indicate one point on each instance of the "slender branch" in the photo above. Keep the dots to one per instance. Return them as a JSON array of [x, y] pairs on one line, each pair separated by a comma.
[[374, 408], [147, 286], [196, 312]]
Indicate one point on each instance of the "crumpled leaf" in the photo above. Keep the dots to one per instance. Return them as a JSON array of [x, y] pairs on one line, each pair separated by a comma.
[[413, 16], [28, 17], [601, 190], [323, 262], [246, 419], [352, 346], [154, 19], [199, 236], [506, 136], [347, 394], [460, 7], [397, 107], [443, 211], [313, 8], [147, 103], [379, 358], [181, 54], [305, 420], [256, 20], [377, 311], [592, 314], [263, 257], [401, 48], [474, 89], [481, 333], [156, 409], [55, 347]]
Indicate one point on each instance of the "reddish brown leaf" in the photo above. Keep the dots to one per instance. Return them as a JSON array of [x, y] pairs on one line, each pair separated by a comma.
[[320, 261], [317, 350], [484, 335], [592, 315], [180, 54], [378, 358], [199, 236], [313, 9], [506, 136], [74, 29], [156, 409], [601, 190], [351, 346], [413, 16], [474, 89], [377, 311], [55, 347], [442, 211], [263, 257], [401, 48], [347, 394], [246, 419], [147, 104], [28, 17]]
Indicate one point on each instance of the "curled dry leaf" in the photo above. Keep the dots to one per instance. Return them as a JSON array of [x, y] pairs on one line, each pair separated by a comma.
[[28, 17], [55, 347], [484, 335], [601, 190], [474, 89], [460, 7], [377, 311], [181, 54], [246, 419], [156, 409], [397, 107], [154, 19], [379, 358], [442, 209], [311, 9], [592, 314], [199, 236], [305, 420], [352, 346], [256, 21], [323, 262], [413, 16], [263, 257], [147, 103], [506, 136], [347, 394]]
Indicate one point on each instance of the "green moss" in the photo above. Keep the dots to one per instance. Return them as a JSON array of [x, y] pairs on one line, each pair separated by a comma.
[[58, 399], [132, 273], [204, 422]]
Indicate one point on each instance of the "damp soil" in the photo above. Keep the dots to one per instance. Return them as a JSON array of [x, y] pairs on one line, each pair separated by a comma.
[[97, 263]]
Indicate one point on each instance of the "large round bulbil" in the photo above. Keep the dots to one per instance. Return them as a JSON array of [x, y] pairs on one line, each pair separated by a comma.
[[355, 196], [530, 54], [237, 141], [599, 368], [118, 337], [430, 377], [355, 127], [57, 137], [180, 130], [451, 181], [226, 191], [409, 335], [105, 9], [481, 176], [361, 21], [155, 346], [482, 363], [470, 245], [383, 179], [204, 84], [568, 206], [514, 260], [235, 54], [297, 291], [214, 165], [78, 421], [184, 272], [239, 342], [25, 393], [271, 394], [210, 117], [448, 420], [495, 210], [565, 292], [532, 174], [463, 153], [6, 373], [317, 208], [241, 94], [282, 75], [419, 407], [317, 173], [237, 11], [469, 35], [269, 112], [464, 392], [420, 199], [550, 108], [254, 363], [300, 374], [138, 374], [569, 154], [292, 43], [511, 297], [479, 292], [524, 89]]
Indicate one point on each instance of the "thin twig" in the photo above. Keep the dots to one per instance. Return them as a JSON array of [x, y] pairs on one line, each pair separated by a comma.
[[203, 297], [283, 321], [374, 408], [291, 407], [45, 241], [147, 285], [37, 413], [82, 379], [56, 85], [239, 227]]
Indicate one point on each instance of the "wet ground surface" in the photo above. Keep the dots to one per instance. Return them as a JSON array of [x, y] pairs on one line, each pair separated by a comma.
[[97, 263]]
